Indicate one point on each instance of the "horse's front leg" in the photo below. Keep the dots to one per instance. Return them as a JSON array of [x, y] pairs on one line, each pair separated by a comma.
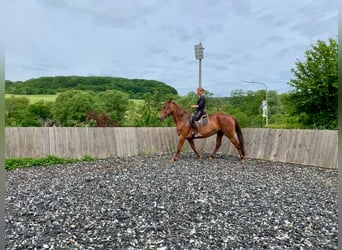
[[181, 140], [192, 144]]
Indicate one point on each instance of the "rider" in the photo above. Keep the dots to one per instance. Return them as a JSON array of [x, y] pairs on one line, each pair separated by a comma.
[[200, 106]]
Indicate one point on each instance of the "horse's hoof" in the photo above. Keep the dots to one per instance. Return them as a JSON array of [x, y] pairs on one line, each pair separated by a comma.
[[174, 159], [212, 157]]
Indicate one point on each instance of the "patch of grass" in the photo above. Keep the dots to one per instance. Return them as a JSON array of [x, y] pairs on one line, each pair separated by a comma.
[[52, 98], [15, 163], [36, 98], [137, 101]]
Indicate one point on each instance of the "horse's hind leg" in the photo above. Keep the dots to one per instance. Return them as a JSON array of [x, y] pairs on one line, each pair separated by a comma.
[[236, 143], [218, 144]]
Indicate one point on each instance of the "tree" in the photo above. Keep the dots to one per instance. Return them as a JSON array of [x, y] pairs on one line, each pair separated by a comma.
[[246, 106], [71, 107], [132, 115], [115, 103], [315, 97], [42, 111], [136, 88], [16, 110]]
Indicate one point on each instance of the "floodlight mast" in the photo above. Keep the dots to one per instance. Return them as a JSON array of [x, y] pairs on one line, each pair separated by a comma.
[[199, 56]]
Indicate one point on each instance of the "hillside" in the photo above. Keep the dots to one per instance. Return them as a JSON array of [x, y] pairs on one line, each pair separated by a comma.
[[136, 88]]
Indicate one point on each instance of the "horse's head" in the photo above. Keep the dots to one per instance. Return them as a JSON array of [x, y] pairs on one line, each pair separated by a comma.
[[166, 110]]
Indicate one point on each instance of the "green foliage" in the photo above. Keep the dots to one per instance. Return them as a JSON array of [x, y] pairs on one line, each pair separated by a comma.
[[14, 163], [135, 88], [71, 107], [17, 112], [15, 109], [148, 113], [188, 100], [132, 115], [35, 98], [40, 109], [20, 113], [246, 106], [115, 104], [41, 112], [314, 101]]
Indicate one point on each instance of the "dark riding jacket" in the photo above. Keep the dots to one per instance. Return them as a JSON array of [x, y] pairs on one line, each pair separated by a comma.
[[200, 109]]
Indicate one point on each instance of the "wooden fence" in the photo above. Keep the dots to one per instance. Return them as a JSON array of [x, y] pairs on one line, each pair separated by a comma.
[[307, 147]]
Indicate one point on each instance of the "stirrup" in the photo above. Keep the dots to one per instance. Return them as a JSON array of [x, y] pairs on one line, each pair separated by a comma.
[[198, 135]]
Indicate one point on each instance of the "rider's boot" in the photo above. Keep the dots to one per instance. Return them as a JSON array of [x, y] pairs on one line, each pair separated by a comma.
[[197, 126]]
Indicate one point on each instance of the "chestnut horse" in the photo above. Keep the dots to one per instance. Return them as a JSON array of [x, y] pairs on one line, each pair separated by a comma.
[[219, 123]]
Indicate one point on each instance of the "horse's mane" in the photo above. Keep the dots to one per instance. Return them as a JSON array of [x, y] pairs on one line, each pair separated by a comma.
[[180, 110]]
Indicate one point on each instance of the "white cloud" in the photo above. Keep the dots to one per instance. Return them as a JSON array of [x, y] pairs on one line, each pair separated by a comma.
[[243, 39]]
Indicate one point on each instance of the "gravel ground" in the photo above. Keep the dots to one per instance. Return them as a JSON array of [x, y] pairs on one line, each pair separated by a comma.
[[150, 202]]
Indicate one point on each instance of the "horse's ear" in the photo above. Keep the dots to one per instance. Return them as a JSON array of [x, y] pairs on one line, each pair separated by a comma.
[[170, 100]]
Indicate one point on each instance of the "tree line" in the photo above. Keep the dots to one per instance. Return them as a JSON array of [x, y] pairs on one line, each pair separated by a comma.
[[81, 102], [135, 88]]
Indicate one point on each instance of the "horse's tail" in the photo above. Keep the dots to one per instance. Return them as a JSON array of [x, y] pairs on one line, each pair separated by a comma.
[[240, 136]]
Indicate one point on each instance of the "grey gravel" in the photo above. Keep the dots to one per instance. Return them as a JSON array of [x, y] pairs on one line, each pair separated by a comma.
[[150, 202]]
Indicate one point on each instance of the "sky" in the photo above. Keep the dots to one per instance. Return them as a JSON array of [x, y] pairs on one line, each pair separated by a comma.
[[254, 40]]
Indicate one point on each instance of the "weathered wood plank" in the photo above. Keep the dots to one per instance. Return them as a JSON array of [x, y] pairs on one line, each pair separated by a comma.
[[308, 147]]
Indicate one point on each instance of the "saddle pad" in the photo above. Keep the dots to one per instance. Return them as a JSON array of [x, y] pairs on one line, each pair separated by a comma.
[[204, 120]]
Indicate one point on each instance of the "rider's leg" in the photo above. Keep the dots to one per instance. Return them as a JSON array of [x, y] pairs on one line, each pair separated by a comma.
[[196, 123]]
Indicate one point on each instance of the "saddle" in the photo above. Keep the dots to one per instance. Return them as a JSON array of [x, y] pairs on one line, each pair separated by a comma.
[[202, 121]]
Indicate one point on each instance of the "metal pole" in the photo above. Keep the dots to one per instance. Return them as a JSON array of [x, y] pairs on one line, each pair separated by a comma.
[[2, 144], [266, 102], [200, 74], [266, 106], [199, 55]]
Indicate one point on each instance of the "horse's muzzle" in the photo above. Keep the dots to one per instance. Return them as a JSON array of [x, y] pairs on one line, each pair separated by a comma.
[[162, 117]]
